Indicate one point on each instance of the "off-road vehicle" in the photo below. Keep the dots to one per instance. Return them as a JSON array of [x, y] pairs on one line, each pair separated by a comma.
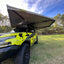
[[17, 44]]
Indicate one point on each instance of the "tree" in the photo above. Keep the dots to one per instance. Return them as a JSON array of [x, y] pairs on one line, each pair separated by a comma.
[[2, 17], [58, 19], [58, 16], [62, 18]]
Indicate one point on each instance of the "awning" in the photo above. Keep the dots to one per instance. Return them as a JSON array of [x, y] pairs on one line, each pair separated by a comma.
[[20, 17]]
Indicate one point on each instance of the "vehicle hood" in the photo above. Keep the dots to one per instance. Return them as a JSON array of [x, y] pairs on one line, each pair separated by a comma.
[[7, 34]]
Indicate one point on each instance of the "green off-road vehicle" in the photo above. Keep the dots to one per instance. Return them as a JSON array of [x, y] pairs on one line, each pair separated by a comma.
[[18, 44]]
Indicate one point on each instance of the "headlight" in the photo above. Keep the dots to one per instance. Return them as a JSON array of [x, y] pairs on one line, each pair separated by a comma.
[[3, 43]]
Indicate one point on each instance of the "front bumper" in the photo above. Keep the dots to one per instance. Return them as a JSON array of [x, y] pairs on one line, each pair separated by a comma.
[[7, 52]]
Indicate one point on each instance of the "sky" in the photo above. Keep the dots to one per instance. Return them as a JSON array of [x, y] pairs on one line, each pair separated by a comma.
[[48, 8]]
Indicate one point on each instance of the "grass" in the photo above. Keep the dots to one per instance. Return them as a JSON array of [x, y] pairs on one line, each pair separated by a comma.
[[50, 50]]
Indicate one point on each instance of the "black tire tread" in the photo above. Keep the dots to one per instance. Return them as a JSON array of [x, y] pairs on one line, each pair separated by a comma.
[[20, 55]]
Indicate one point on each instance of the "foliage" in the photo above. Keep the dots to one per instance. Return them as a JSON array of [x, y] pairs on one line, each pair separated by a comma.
[[57, 16], [2, 17], [62, 17], [4, 29], [56, 28]]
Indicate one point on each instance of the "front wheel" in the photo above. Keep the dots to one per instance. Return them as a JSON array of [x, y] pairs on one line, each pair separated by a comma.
[[23, 55]]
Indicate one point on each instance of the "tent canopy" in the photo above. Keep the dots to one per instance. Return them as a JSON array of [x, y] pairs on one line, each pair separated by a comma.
[[20, 17]]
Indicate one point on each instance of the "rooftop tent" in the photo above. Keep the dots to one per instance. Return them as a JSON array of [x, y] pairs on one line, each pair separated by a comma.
[[20, 17]]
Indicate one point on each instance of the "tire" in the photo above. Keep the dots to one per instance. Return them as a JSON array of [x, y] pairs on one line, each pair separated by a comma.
[[23, 55], [36, 40]]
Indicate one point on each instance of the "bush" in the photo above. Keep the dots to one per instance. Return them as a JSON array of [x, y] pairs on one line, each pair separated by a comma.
[[4, 29]]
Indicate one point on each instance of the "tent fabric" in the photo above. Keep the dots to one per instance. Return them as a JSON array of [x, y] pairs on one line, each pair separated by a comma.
[[20, 17]]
